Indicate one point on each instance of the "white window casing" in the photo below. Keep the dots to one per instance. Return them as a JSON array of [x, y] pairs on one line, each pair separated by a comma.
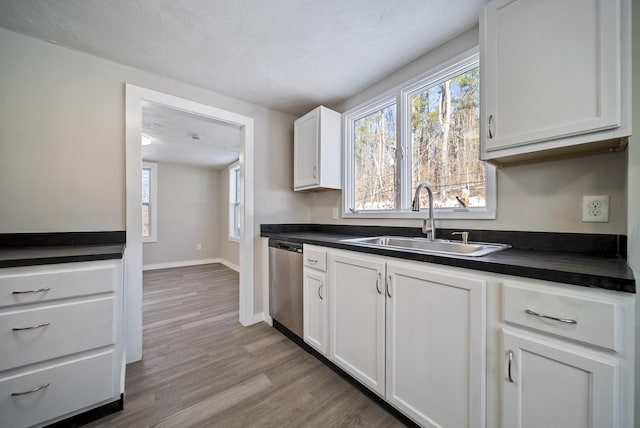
[[400, 96], [153, 201]]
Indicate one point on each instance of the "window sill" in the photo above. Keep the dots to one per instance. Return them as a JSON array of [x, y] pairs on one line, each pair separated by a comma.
[[149, 239], [235, 239], [443, 214]]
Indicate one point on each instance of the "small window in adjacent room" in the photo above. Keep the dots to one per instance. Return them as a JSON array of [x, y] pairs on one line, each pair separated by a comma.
[[234, 202], [149, 202]]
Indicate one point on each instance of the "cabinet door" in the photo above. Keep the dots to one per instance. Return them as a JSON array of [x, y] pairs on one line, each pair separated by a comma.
[[357, 317], [436, 346], [306, 137], [550, 69], [314, 297], [554, 386]]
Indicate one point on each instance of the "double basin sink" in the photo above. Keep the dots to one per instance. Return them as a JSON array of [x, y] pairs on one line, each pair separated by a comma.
[[427, 246]]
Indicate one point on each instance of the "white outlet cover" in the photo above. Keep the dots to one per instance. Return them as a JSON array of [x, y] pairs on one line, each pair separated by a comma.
[[595, 209]]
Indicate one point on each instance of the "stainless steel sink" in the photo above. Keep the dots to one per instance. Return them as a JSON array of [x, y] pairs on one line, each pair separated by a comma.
[[436, 246]]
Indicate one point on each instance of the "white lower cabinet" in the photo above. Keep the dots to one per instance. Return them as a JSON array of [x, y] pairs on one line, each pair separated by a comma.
[[412, 334], [567, 356], [315, 316], [315, 309], [435, 346], [61, 340], [550, 385], [357, 317], [453, 347], [47, 393]]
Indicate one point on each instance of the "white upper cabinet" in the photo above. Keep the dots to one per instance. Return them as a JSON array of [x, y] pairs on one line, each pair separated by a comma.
[[317, 150], [555, 78]]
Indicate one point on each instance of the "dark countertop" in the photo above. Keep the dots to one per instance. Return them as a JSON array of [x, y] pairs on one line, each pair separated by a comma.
[[30, 256], [599, 271], [30, 249]]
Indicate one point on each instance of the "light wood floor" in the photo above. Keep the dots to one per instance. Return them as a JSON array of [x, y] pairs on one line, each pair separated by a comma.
[[201, 368]]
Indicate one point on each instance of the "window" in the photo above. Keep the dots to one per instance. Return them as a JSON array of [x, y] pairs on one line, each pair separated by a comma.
[[149, 202], [425, 131], [374, 136], [234, 202]]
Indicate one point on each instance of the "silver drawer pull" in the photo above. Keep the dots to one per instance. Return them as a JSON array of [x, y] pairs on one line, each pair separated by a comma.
[[39, 290], [320, 295], [312, 260], [44, 324], [549, 317], [36, 389]]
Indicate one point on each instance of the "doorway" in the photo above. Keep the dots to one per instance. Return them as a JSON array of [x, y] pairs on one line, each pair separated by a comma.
[[134, 97]]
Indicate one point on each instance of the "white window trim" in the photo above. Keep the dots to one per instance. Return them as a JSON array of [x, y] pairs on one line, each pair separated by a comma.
[[153, 202], [231, 228], [401, 95]]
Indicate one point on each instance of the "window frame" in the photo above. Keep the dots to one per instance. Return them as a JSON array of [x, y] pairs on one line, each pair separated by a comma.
[[153, 201], [235, 189], [401, 96]]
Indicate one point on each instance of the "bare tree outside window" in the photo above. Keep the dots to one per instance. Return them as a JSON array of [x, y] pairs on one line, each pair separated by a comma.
[[445, 138], [426, 130], [375, 160]]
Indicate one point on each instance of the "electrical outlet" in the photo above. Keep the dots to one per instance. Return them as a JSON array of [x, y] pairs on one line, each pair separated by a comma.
[[595, 209], [335, 213], [199, 247]]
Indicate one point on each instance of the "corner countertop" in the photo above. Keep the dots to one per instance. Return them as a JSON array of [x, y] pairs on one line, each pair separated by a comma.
[[30, 249], [31, 256], [609, 272]]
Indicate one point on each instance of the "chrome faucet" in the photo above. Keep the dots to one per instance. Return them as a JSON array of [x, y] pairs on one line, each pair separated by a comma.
[[428, 224]]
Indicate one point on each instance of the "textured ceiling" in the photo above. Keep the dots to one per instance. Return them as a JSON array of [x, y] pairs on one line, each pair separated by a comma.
[[288, 55], [172, 133]]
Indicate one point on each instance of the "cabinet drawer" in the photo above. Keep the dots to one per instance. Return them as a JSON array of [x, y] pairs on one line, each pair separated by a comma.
[[28, 285], [315, 257], [73, 327], [578, 316], [72, 385]]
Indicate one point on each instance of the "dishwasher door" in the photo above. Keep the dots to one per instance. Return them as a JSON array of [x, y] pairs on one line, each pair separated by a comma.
[[285, 284]]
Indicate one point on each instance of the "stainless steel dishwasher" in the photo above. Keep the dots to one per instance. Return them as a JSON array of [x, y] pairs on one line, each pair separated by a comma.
[[285, 285]]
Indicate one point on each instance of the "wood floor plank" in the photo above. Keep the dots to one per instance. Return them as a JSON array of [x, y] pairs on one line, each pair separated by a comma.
[[202, 368]]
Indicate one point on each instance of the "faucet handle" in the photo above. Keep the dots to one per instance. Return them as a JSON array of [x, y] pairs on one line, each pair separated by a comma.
[[464, 235]]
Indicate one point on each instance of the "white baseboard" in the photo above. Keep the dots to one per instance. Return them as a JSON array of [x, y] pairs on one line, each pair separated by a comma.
[[257, 318], [230, 265], [268, 320], [168, 265]]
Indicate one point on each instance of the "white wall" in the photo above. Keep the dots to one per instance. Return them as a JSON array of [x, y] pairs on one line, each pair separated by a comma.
[[62, 142], [543, 197], [188, 214]]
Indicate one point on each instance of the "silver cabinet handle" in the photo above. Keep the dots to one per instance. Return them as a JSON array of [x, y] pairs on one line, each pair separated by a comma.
[[314, 261], [315, 171], [549, 317], [510, 356], [490, 126], [378, 283], [44, 324], [320, 295], [389, 286], [39, 290], [36, 389]]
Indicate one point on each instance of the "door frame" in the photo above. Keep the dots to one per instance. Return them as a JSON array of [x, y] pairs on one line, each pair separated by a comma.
[[134, 95]]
